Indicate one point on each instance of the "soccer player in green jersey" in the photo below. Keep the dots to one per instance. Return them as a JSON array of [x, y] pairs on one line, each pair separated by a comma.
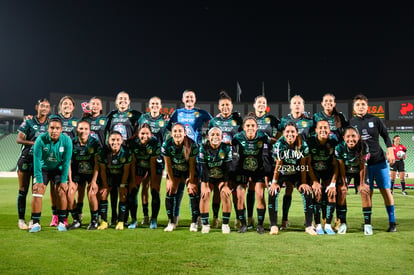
[[28, 131], [84, 171], [291, 153], [51, 160], [215, 158], [114, 165], [145, 150], [180, 153], [352, 155]]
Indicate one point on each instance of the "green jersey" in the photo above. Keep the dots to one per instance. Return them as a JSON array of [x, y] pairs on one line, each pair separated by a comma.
[[98, 125], [31, 129], [268, 124], [348, 156], [250, 152], [51, 156], [115, 163], [144, 152], [157, 124], [123, 122], [290, 156], [176, 154], [229, 126], [215, 161], [83, 156], [322, 154], [304, 123]]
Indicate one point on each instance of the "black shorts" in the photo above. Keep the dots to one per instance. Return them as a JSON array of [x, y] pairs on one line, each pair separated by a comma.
[[242, 177], [398, 166], [323, 175], [114, 180], [82, 179], [356, 177], [25, 164], [54, 177], [294, 179]]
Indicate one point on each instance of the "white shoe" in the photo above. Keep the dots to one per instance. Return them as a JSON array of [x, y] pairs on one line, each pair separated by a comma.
[[274, 230], [367, 229], [205, 229], [193, 227], [30, 224], [22, 224], [342, 229], [329, 230], [225, 229], [311, 230], [170, 227]]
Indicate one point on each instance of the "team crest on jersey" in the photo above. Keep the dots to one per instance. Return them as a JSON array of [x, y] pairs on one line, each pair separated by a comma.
[[233, 122], [129, 114], [222, 155], [196, 114], [161, 123], [101, 121], [24, 166], [371, 124], [149, 151], [90, 150], [122, 160], [61, 149], [74, 123], [260, 144], [304, 124], [267, 120]]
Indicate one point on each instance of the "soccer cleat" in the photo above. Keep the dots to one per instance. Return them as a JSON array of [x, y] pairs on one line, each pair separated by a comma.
[[170, 227], [119, 226], [404, 193], [285, 225], [193, 227], [367, 229], [243, 229], [146, 220], [35, 228], [319, 229], [274, 230], [61, 227], [392, 227], [153, 224], [76, 224], [342, 228], [205, 228], [103, 226], [328, 229], [310, 230], [216, 222], [30, 224], [22, 224], [225, 229], [250, 223], [133, 225], [92, 226], [260, 229], [54, 221]]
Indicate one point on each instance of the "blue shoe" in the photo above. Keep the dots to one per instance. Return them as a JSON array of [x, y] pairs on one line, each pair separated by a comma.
[[35, 228], [133, 225], [153, 224], [320, 231], [62, 227], [329, 230]]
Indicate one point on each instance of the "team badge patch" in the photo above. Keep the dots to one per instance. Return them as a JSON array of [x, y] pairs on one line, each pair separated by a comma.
[[196, 114], [61, 149], [149, 151], [371, 124], [161, 123], [222, 155], [260, 144], [304, 124], [101, 121], [267, 120], [233, 122], [74, 123], [90, 150], [122, 160], [129, 114]]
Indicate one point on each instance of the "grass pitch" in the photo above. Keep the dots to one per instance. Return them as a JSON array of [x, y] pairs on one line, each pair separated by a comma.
[[149, 251]]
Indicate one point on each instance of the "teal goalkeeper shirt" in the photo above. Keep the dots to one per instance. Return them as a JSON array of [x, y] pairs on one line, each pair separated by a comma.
[[49, 156]]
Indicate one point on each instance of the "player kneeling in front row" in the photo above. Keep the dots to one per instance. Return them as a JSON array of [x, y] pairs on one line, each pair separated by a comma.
[[352, 155], [215, 158], [51, 160], [84, 170]]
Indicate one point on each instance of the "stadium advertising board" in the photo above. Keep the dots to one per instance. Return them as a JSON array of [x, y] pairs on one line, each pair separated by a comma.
[[401, 109], [376, 108]]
